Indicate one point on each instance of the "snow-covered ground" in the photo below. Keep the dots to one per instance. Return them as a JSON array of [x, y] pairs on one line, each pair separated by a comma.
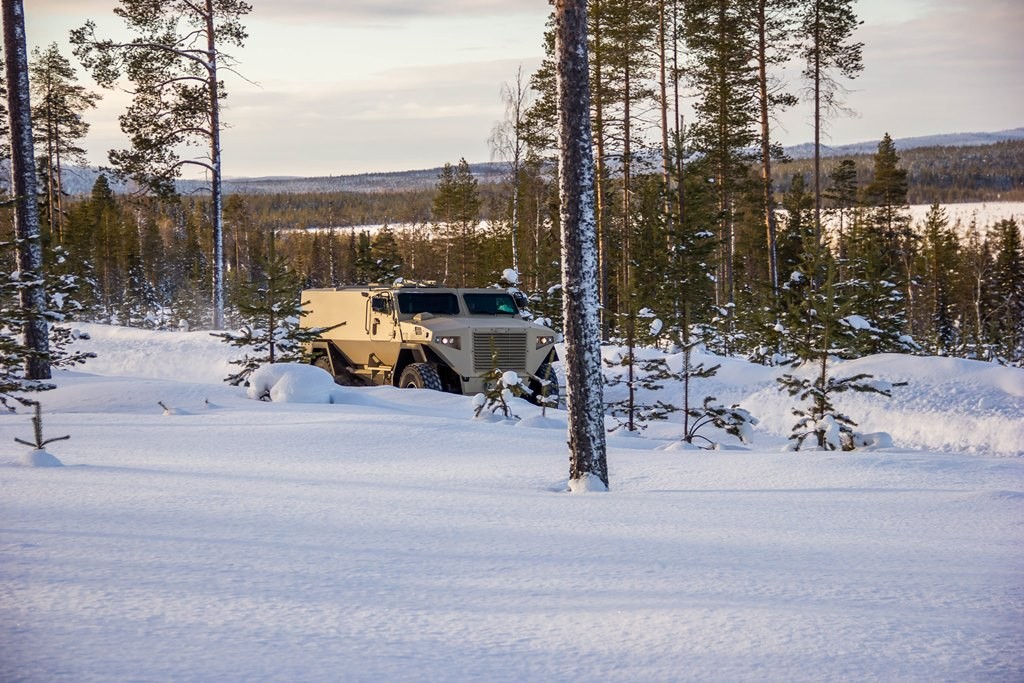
[[389, 536], [984, 214]]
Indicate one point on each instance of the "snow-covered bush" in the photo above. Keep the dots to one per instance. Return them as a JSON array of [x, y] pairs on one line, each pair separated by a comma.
[[504, 386], [291, 383], [735, 420]]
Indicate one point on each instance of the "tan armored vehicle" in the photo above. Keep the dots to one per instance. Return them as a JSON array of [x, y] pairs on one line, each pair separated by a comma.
[[426, 337]]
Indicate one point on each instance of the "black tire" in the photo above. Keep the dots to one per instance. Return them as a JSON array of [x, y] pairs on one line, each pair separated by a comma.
[[345, 377], [545, 372], [322, 361], [420, 376]]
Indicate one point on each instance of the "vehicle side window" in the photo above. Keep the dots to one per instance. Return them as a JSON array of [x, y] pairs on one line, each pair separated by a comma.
[[381, 304], [439, 303]]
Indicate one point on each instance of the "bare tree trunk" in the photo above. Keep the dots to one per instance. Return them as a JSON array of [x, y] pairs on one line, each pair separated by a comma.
[[817, 123], [626, 295], [26, 212], [588, 467], [680, 161], [766, 147], [599, 139], [217, 199], [666, 156]]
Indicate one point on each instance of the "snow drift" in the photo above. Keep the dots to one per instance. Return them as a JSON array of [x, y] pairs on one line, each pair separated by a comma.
[[195, 533]]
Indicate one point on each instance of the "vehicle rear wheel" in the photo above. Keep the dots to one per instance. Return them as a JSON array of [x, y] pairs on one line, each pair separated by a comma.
[[420, 376], [322, 361]]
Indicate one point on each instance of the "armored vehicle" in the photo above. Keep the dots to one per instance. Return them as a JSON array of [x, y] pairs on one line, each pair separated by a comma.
[[427, 337]]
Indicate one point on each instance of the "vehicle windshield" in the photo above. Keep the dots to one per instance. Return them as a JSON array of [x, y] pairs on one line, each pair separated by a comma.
[[498, 303], [438, 303]]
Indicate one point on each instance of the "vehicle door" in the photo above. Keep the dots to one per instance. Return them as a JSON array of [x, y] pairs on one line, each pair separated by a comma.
[[381, 321]]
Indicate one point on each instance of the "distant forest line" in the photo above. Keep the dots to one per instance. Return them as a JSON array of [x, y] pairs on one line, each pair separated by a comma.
[[943, 174]]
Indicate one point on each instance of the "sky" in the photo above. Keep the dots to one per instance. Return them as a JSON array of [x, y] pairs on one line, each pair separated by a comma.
[[338, 87]]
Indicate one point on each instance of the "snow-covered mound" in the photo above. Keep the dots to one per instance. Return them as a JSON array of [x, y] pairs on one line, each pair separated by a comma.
[[133, 352], [947, 404]]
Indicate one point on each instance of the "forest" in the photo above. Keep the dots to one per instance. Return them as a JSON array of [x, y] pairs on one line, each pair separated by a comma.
[[704, 225]]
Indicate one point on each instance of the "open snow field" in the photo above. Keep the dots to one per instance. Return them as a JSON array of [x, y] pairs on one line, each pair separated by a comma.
[[392, 537]]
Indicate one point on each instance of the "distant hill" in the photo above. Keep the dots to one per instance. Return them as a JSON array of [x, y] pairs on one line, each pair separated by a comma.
[[79, 181], [947, 173], [806, 150]]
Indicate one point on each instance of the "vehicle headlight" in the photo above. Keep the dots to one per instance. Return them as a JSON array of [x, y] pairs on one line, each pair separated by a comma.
[[544, 341], [448, 340]]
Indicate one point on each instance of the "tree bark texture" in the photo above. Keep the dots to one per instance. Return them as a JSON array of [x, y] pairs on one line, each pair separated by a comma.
[[23, 182], [584, 386]]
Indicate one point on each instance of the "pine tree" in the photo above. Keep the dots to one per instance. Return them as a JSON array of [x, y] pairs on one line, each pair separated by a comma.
[[881, 251], [824, 329], [798, 228], [29, 282], [59, 127], [939, 259], [1007, 284], [385, 257], [975, 269], [826, 30], [272, 310], [842, 198], [724, 130], [887, 193], [771, 22], [177, 94]]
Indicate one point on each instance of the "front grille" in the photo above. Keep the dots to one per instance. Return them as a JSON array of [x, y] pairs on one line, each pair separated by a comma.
[[509, 346]]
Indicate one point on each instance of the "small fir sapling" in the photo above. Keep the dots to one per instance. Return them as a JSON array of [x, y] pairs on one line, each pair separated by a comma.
[[826, 330], [504, 386], [637, 371], [547, 394], [39, 457], [831, 429], [273, 334], [734, 420]]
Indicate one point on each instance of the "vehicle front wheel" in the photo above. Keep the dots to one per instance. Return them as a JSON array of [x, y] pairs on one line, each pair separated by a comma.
[[420, 376]]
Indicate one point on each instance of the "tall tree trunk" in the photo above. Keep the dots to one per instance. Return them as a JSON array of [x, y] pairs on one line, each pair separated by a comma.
[[768, 193], [600, 190], [23, 180], [217, 199], [680, 157], [666, 155], [627, 247], [584, 387], [817, 123]]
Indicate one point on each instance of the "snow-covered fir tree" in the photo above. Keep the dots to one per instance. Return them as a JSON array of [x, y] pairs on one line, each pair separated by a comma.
[[503, 386], [272, 311], [823, 330]]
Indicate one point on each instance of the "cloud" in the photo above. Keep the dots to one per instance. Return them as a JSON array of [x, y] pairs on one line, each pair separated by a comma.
[[375, 11], [403, 118]]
